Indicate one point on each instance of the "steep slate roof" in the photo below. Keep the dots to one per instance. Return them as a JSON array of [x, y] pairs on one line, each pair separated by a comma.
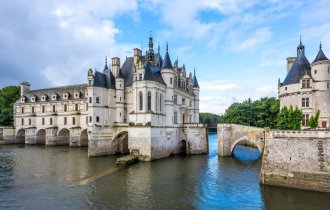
[[120, 74], [298, 69], [127, 69], [58, 90], [167, 60], [104, 80], [152, 73], [320, 55], [195, 82]]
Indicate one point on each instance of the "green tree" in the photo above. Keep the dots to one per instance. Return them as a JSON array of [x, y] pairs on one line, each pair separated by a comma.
[[8, 96], [313, 121], [289, 119]]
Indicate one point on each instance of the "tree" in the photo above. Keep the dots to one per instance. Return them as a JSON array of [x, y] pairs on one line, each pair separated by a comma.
[[289, 119], [8, 96], [313, 120]]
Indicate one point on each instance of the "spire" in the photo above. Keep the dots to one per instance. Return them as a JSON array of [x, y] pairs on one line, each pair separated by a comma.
[[320, 55], [167, 60], [195, 82], [158, 47], [151, 49], [106, 64], [300, 48]]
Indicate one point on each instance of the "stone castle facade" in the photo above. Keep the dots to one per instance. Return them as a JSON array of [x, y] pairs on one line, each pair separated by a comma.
[[307, 86], [147, 106]]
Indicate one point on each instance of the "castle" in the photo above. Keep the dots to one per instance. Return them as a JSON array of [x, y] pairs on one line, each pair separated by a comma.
[[307, 86], [148, 107]]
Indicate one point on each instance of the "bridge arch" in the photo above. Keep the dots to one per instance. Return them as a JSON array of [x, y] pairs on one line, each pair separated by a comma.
[[246, 139], [121, 142], [183, 147], [20, 136], [63, 137], [84, 138], [41, 137]]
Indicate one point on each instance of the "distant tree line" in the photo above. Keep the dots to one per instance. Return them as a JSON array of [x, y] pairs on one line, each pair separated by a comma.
[[8, 96], [264, 112]]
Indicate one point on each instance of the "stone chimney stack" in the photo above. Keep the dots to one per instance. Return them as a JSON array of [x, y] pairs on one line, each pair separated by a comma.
[[115, 66], [25, 88], [137, 55], [289, 62]]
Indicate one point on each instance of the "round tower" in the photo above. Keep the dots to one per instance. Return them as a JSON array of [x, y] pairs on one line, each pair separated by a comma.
[[120, 97], [196, 99]]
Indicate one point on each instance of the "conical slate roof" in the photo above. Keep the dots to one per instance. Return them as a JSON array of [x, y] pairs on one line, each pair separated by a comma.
[[320, 55], [298, 69], [195, 82], [167, 60]]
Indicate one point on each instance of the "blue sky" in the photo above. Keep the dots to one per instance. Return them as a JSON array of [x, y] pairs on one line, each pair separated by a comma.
[[238, 47]]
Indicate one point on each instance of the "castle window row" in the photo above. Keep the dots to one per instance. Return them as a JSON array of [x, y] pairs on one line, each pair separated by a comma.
[[32, 109], [54, 97], [43, 121], [305, 102]]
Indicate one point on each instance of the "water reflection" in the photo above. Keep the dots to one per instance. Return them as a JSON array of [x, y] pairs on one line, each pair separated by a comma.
[[43, 177]]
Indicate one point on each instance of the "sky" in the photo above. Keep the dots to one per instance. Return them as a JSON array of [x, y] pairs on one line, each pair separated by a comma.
[[238, 47]]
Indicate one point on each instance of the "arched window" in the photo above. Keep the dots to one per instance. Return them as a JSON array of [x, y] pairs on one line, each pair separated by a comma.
[[149, 100], [141, 100]]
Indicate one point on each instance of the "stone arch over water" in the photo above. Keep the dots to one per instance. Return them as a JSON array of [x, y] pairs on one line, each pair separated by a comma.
[[63, 137], [84, 138], [246, 139], [41, 137], [20, 136], [121, 143]]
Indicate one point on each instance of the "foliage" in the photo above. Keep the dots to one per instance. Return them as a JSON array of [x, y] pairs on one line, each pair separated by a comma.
[[259, 113], [289, 119], [8, 96], [313, 120], [209, 118]]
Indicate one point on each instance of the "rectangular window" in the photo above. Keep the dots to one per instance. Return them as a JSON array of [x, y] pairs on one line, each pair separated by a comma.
[[90, 99], [54, 108], [175, 117], [30, 122], [22, 110], [90, 119], [171, 80], [76, 107], [65, 107], [306, 83], [97, 100], [65, 121], [97, 119], [305, 119], [86, 120], [73, 121], [190, 103], [305, 102], [175, 99], [33, 110], [43, 109], [140, 76], [50, 121], [183, 101], [43, 121], [22, 121]]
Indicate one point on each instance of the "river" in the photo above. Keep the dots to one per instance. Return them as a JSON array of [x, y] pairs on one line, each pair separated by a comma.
[[38, 177]]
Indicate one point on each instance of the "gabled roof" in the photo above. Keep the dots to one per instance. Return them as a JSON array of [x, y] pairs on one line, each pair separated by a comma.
[[299, 68], [320, 55]]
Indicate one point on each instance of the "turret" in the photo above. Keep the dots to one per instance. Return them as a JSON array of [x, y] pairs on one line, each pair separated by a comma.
[[321, 68], [25, 88], [196, 99], [120, 97], [115, 65]]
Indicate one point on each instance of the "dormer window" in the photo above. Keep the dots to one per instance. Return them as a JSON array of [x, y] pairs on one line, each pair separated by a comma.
[[306, 83], [76, 94], [33, 98], [43, 97], [54, 96], [23, 99], [65, 95]]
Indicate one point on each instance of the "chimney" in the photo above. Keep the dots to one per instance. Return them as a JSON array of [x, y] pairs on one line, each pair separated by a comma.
[[137, 55], [289, 62], [25, 88], [115, 66]]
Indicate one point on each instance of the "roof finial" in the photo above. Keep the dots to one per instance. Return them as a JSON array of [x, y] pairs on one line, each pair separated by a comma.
[[320, 45], [158, 47], [106, 60], [300, 39], [166, 46], [150, 34], [151, 50], [194, 72]]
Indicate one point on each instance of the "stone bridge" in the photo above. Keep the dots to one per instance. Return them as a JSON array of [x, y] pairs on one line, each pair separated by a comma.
[[229, 135]]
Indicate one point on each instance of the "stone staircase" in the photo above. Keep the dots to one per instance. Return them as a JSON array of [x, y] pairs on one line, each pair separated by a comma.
[[320, 148]]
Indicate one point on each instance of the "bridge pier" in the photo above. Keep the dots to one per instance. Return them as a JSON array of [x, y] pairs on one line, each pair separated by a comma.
[[224, 137]]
